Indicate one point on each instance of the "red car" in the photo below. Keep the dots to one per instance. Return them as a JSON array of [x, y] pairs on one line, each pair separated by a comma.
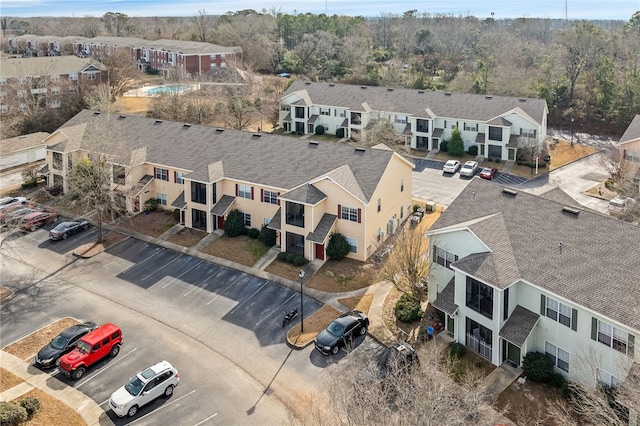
[[35, 220], [488, 172]]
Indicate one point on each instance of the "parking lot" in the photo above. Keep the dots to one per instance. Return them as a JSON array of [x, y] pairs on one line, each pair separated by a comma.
[[220, 327]]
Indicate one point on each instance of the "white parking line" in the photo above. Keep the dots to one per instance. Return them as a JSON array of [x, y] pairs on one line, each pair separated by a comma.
[[162, 267], [161, 407], [208, 418], [111, 364], [249, 298], [228, 287], [178, 277], [143, 260], [203, 282], [277, 309]]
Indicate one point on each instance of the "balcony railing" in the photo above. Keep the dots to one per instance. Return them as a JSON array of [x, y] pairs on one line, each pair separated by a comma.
[[479, 346]]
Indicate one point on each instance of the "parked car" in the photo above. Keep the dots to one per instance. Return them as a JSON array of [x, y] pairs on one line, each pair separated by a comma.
[[341, 332], [451, 166], [35, 220], [11, 201], [400, 358], [620, 203], [13, 215], [146, 386], [469, 169], [101, 342], [488, 172], [64, 229], [63, 343]]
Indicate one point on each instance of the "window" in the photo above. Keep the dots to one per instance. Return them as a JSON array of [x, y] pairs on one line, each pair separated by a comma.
[[299, 112], [4, 109], [179, 177], [379, 234], [558, 357], [57, 160], [73, 89], [402, 185], [73, 76], [162, 198], [22, 93], [246, 219], [118, 174], [479, 297], [353, 244], [295, 214], [270, 197], [199, 219], [24, 107], [608, 379], [341, 113], [468, 127], [55, 78], [3, 81], [495, 133], [613, 337], [349, 213], [325, 111], [379, 204], [401, 120], [401, 212], [559, 312], [285, 107], [91, 76], [162, 174], [55, 90], [244, 191], [3, 95], [198, 192], [22, 80], [443, 257], [528, 133], [56, 104]]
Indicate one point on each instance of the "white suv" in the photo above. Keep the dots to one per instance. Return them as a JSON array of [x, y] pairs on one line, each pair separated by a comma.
[[144, 387], [469, 169]]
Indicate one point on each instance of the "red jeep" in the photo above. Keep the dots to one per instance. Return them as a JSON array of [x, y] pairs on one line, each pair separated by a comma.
[[104, 340]]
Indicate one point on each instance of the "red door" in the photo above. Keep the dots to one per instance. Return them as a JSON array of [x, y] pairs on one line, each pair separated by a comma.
[[320, 251], [220, 222]]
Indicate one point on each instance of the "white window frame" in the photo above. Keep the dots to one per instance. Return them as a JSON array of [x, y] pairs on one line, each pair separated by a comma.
[[55, 77], [180, 178], [56, 103], [559, 312], [349, 213], [558, 356], [325, 111], [608, 378], [443, 257], [613, 337], [270, 197], [21, 93], [244, 191], [162, 198], [73, 76], [353, 244], [246, 219], [162, 174]]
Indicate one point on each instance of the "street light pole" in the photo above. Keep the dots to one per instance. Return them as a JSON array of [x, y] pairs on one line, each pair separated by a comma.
[[572, 120], [301, 275]]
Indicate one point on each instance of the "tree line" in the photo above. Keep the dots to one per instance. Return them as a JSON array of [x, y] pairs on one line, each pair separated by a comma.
[[588, 71]]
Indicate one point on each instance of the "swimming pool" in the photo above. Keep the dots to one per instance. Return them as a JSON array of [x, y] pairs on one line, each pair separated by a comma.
[[167, 89]]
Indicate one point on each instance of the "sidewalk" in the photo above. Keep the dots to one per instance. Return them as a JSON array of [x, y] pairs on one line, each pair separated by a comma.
[[90, 412]]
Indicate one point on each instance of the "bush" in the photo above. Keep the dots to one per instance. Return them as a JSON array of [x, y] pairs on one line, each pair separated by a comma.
[[300, 261], [473, 150], [253, 233], [408, 309], [234, 225], [338, 247], [31, 404], [12, 414], [609, 184], [456, 144], [151, 205], [557, 380], [444, 146], [176, 215], [416, 207], [290, 257], [340, 133], [282, 256], [457, 350], [537, 367], [319, 130], [518, 162], [267, 236], [30, 183]]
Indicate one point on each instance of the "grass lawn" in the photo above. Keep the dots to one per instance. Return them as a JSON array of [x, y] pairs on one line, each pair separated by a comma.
[[153, 224], [241, 249], [344, 275]]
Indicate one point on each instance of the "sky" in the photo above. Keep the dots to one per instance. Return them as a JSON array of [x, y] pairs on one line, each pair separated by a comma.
[[555, 9]]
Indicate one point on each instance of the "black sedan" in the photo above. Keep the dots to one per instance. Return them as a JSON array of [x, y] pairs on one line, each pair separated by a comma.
[[341, 332], [62, 344], [64, 229]]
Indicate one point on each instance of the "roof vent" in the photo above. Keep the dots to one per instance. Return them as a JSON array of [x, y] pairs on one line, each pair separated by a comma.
[[360, 150], [22, 137], [421, 91], [447, 93], [363, 87], [313, 144], [488, 97], [219, 130], [509, 191], [307, 83], [186, 126], [390, 89], [331, 84], [256, 136], [522, 100], [96, 113], [571, 210], [158, 122], [122, 117]]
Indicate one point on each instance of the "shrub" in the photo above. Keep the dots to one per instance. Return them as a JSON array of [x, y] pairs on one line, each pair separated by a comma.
[[300, 261], [408, 309], [473, 150], [151, 205], [567, 390], [319, 130], [282, 256], [267, 236], [253, 233], [338, 247], [176, 215], [457, 350], [416, 207], [518, 162], [12, 414], [30, 183], [609, 184], [456, 144], [290, 257], [557, 380], [444, 146], [31, 404], [340, 133], [537, 367], [234, 225]]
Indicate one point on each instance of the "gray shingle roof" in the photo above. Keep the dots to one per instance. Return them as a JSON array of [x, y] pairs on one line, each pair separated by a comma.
[[519, 325], [415, 102], [445, 300], [633, 131], [306, 194], [44, 65], [224, 203], [322, 230], [597, 266], [179, 202], [277, 161], [275, 222], [32, 140]]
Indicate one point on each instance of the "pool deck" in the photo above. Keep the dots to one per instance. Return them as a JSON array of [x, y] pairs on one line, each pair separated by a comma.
[[142, 92]]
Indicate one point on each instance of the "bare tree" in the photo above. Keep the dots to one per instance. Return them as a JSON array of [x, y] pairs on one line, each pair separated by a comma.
[[237, 110], [202, 23], [122, 71], [408, 264]]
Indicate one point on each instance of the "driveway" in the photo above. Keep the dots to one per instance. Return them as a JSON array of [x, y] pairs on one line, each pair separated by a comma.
[[220, 327]]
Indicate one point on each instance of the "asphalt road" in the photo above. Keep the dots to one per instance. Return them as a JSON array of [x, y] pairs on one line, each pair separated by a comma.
[[221, 328]]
